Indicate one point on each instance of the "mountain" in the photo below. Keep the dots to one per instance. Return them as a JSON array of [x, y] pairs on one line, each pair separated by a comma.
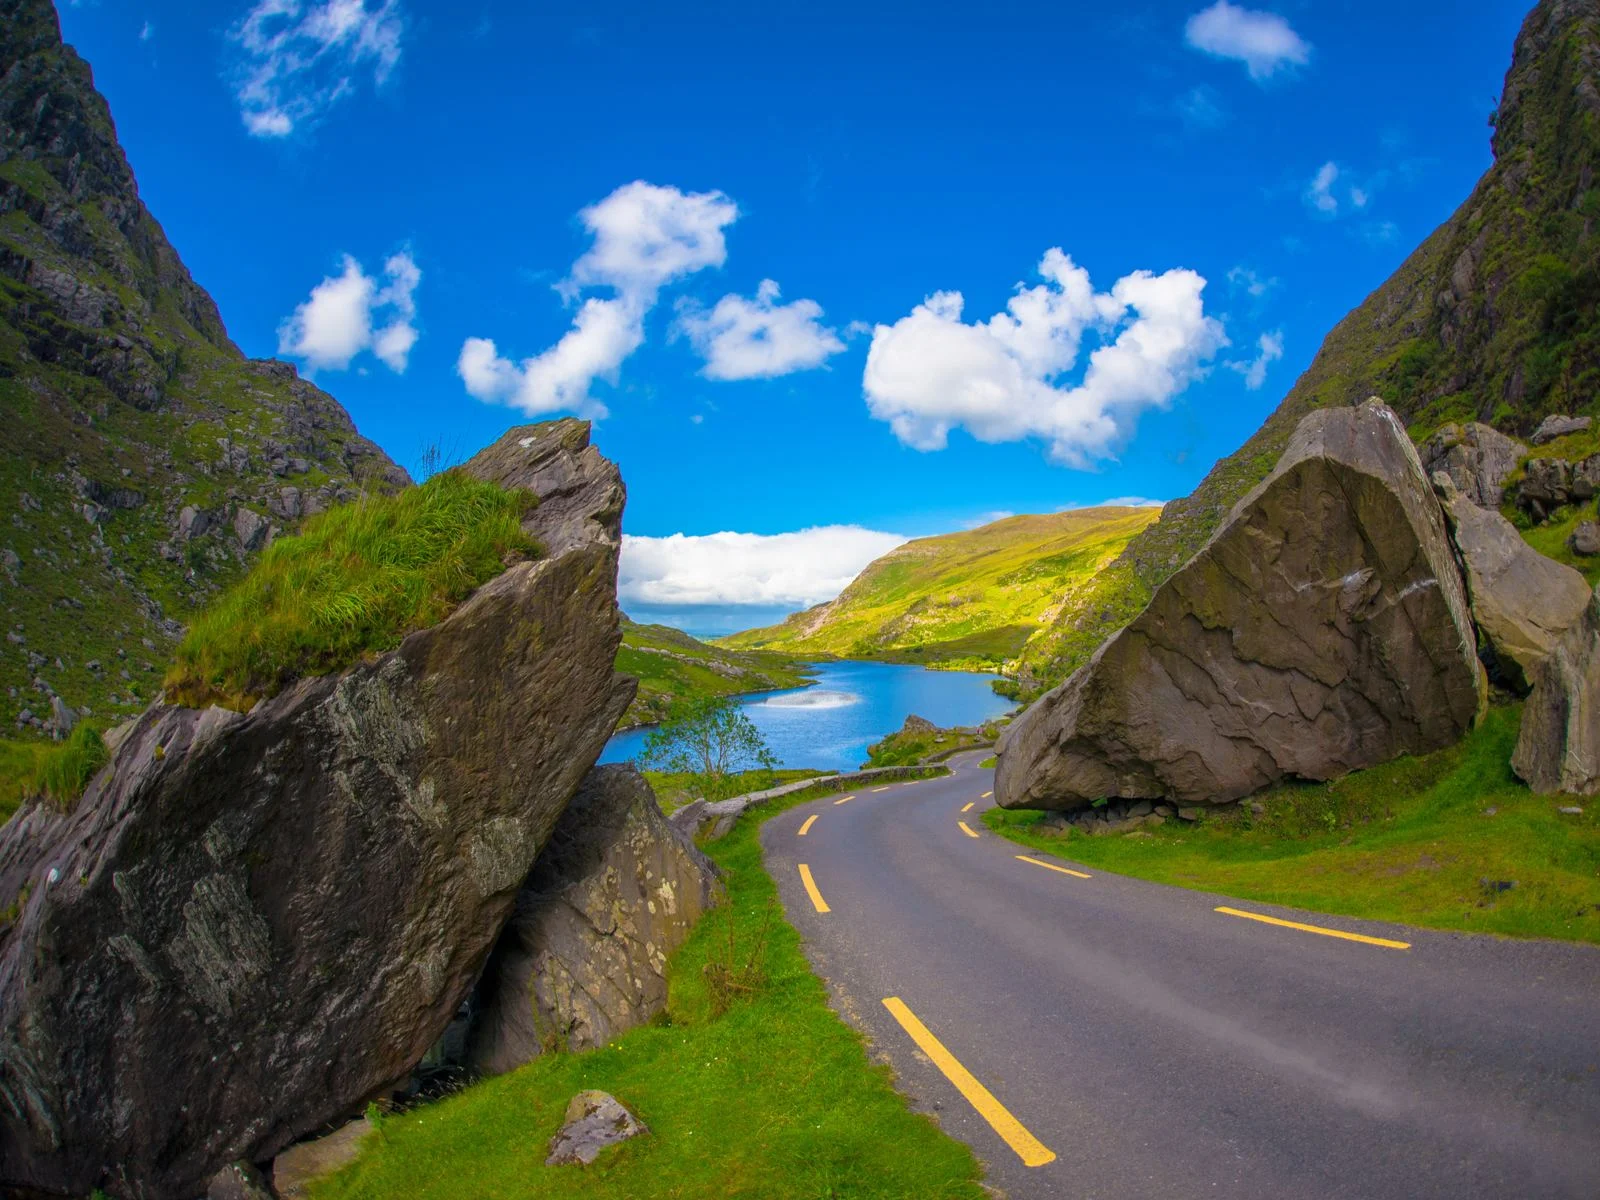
[[1493, 318], [970, 599], [671, 665], [145, 457]]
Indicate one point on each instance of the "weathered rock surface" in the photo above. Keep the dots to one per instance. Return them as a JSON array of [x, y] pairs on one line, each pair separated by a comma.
[[301, 1165], [1478, 459], [580, 493], [304, 893], [614, 892], [238, 1181], [1556, 425], [1558, 748], [1585, 539], [595, 1120], [1521, 600], [1323, 628]]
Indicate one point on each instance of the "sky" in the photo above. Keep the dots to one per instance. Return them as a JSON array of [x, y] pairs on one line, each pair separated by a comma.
[[825, 276]]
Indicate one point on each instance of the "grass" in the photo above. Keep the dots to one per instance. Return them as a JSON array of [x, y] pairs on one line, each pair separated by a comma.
[[356, 581], [903, 748], [671, 666], [1424, 841], [773, 1097], [59, 771], [989, 763]]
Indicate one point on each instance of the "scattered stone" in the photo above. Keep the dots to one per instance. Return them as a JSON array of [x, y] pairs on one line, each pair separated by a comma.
[[1164, 810], [1555, 426], [301, 1165], [61, 720], [1190, 812], [1585, 539], [1558, 747], [250, 528], [1489, 812], [1570, 810], [193, 522], [1546, 486], [238, 1181], [1497, 885], [1477, 458], [1586, 478], [595, 1120]]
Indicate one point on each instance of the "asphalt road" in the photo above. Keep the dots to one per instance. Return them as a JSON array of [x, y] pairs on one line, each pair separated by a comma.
[[1158, 1048]]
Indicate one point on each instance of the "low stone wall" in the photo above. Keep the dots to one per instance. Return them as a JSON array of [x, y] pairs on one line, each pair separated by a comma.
[[720, 816]]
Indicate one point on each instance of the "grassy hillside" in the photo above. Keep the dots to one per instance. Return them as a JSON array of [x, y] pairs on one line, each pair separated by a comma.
[[670, 665], [970, 599], [1493, 318]]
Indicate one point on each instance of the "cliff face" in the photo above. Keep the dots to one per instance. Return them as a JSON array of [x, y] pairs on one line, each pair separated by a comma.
[[1493, 318], [145, 458]]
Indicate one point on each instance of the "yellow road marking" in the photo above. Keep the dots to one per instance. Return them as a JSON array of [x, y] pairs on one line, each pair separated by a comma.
[[1030, 1149], [884, 788], [810, 821], [1333, 933], [985, 796], [843, 799], [1039, 862], [966, 829], [811, 889], [967, 807]]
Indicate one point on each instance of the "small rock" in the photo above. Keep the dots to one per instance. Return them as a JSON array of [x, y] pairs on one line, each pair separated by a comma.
[[1497, 885], [595, 1120], [1555, 426], [193, 522], [1585, 539], [300, 1165], [1164, 810], [1141, 809], [62, 718], [250, 528], [1570, 810], [1190, 812], [1489, 812], [1258, 808], [238, 1181]]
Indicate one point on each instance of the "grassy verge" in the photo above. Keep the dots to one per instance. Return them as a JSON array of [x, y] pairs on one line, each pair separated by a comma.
[[57, 770], [1428, 841], [673, 789], [356, 581], [773, 1097]]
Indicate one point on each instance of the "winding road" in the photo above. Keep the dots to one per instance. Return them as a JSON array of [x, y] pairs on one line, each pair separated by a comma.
[[1095, 1036]]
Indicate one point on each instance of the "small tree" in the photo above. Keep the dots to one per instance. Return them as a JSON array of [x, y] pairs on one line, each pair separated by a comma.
[[711, 741]]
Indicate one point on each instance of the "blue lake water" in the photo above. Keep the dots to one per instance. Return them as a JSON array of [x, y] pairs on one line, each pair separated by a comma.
[[852, 704]]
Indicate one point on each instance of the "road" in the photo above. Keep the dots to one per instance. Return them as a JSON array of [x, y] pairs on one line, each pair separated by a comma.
[[1135, 1042]]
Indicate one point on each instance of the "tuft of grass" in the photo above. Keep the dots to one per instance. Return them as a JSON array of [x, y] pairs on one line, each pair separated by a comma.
[[58, 771], [989, 763], [356, 581], [750, 1086], [1429, 841]]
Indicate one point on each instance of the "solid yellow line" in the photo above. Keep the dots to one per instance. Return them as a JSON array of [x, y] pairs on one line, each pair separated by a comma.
[[985, 796], [884, 788], [842, 799], [811, 889], [967, 807], [966, 829], [1333, 933], [810, 821], [1039, 862], [1030, 1149]]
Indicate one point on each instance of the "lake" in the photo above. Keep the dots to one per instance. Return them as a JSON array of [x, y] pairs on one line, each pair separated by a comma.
[[853, 704]]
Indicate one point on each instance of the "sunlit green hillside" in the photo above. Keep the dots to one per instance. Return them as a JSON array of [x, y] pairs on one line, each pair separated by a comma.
[[670, 665]]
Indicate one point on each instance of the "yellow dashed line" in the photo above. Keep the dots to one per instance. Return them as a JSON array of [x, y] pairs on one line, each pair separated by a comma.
[[967, 807], [985, 796], [1333, 933], [811, 889], [1039, 862], [845, 799], [966, 829], [810, 821], [884, 788]]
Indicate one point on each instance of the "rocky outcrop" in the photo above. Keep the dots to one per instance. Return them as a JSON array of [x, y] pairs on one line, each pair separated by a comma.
[[614, 892], [1556, 425], [1478, 459], [1323, 628], [580, 494], [253, 922], [1521, 600], [1558, 747]]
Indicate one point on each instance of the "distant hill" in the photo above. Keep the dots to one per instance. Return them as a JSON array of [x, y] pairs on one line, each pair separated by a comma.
[[1493, 318], [671, 665], [144, 458], [970, 599]]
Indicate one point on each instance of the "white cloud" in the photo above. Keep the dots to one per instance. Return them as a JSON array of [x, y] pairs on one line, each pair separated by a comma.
[[1269, 349], [1200, 108], [1263, 41], [1000, 379], [146, 32], [645, 237], [1250, 281], [796, 569], [301, 58], [1131, 502], [340, 318], [1330, 183], [760, 338]]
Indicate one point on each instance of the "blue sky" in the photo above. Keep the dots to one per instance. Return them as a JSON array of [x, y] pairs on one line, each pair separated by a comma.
[[379, 190]]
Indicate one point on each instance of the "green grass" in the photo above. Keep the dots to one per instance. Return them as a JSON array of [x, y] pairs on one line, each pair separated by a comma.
[[356, 581], [59, 771], [989, 763], [672, 666], [672, 789], [902, 749], [775, 1097], [1412, 841]]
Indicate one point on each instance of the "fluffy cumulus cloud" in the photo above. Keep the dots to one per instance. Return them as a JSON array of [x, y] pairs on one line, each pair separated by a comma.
[[645, 237], [300, 58], [1269, 349], [353, 312], [759, 338], [1003, 379], [794, 569], [1332, 191], [1263, 41]]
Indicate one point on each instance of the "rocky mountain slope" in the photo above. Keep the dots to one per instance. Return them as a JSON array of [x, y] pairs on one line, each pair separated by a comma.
[[671, 665], [1493, 318], [145, 457], [973, 598]]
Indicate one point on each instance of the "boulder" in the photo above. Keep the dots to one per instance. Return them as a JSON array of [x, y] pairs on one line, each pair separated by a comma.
[[250, 528], [238, 1181], [193, 522], [1555, 426], [614, 892], [1558, 747], [580, 493], [1323, 628], [1546, 486], [302, 1164], [1586, 478], [1521, 600], [1478, 459], [1585, 539], [594, 1121], [305, 893], [918, 725]]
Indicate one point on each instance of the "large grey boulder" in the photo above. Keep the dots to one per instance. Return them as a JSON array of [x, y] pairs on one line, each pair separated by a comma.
[[253, 922], [615, 891], [1558, 747], [1478, 459], [1522, 601], [1323, 628], [1558, 425]]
